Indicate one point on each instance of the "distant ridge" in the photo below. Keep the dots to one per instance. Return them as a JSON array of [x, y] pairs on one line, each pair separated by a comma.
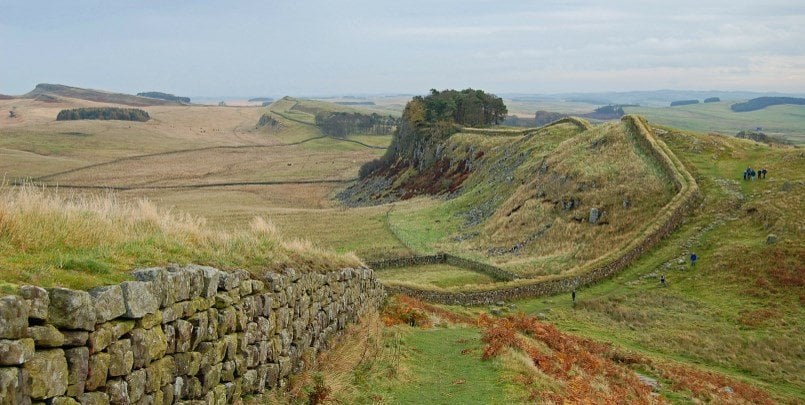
[[45, 91]]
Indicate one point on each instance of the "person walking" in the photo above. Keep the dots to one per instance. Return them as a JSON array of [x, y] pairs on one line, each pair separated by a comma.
[[573, 296], [662, 281], [693, 259]]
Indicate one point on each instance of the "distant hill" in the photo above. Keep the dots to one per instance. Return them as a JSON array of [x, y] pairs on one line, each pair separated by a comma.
[[165, 96], [355, 102], [5, 97], [763, 102], [261, 100], [712, 100], [44, 90]]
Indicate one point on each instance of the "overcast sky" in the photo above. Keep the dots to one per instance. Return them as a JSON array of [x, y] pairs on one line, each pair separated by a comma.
[[319, 47]]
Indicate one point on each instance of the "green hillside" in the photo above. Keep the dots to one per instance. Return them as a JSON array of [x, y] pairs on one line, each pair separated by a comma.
[[786, 121]]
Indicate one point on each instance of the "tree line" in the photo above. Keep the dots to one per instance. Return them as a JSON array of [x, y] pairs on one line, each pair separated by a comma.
[[763, 102], [103, 113], [341, 124]]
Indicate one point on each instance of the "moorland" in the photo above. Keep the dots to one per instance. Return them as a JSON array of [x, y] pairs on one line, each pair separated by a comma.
[[729, 329]]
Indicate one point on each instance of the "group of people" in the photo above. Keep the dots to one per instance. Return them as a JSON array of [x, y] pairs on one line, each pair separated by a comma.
[[750, 173]]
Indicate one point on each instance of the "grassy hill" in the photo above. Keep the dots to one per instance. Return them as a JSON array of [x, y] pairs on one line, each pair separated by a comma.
[[781, 120], [728, 331], [522, 202], [58, 90]]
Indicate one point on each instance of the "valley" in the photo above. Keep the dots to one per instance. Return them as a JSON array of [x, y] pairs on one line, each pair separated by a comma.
[[545, 204]]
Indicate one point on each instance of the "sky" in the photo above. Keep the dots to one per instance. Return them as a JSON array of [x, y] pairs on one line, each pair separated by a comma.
[[326, 47]]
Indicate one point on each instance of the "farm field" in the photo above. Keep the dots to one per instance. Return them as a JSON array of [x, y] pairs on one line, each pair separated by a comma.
[[781, 120]]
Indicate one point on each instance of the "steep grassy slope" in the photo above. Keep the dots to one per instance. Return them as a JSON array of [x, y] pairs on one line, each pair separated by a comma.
[[523, 202]]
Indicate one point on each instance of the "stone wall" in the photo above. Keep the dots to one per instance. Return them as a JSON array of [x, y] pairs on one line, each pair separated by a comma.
[[445, 258], [190, 334], [664, 223]]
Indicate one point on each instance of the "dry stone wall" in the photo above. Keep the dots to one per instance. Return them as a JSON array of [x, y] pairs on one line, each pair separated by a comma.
[[445, 258], [194, 335], [670, 217]]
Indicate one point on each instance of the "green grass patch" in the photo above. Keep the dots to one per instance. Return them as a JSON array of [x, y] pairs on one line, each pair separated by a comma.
[[439, 275], [443, 365]]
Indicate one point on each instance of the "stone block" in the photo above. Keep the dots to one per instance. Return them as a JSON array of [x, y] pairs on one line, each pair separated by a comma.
[[136, 383], [47, 373], [118, 391], [121, 358], [211, 278], [63, 401], [71, 309], [139, 299], [187, 363], [74, 338], [184, 335], [95, 398], [150, 320], [38, 301], [109, 303], [13, 317], [16, 352], [168, 395], [179, 280], [157, 373], [77, 370], [160, 279], [147, 345], [97, 371], [46, 336], [100, 339], [228, 281], [14, 388]]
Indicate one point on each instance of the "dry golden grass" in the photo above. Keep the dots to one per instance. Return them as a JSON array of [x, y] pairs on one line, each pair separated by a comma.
[[85, 240]]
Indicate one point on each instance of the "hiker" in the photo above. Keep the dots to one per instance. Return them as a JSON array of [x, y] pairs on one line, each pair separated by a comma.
[[662, 281], [763, 172], [693, 259], [573, 296], [746, 174]]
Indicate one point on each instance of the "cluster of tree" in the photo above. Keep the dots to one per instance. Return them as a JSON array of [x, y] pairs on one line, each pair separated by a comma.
[[605, 113], [103, 113], [712, 100], [261, 99], [763, 102], [515, 121], [341, 124], [466, 107], [683, 102], [542, 117], [165, 96]]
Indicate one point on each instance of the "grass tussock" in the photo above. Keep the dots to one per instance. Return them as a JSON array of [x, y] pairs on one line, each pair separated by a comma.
[[79, 241]]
